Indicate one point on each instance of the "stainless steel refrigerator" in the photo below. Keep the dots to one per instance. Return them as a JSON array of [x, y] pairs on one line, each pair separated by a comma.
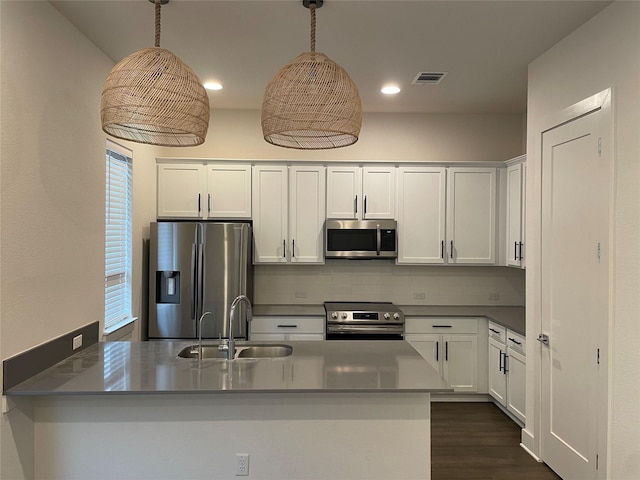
[[197, 267]]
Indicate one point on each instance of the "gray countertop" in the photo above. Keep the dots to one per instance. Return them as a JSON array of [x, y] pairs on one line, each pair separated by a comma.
[[153, 367]]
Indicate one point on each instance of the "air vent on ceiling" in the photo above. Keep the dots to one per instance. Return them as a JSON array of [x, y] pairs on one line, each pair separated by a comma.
[[428, 78]]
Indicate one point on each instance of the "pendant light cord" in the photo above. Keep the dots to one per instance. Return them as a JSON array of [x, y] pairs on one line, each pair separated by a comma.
[[312, 9], [158, 6]]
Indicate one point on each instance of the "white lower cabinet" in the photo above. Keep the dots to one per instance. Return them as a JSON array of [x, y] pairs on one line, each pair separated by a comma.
[[507, 362], [282, 328], [450, 345]]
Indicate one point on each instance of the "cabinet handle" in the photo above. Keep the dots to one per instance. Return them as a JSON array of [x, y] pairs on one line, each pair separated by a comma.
[[293, 248], [355, 202], [437, 351], [515, 341], [494, 330], [515, 251], [284, 249], [287, 326], [451, 249], [446, 351], [441, 326], [209, 203], [199, 204], [520, 257], [442, 249], [505, 369], [365, 204], [500, 366]]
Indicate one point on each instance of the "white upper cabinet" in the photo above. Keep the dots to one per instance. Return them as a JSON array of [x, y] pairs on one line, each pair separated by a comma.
[[204, 191], [180, 189], [515, 208], [471, 215], [288, 213], [361, 192], [421, 214], [228, 191], [446, 215], [307, 200]]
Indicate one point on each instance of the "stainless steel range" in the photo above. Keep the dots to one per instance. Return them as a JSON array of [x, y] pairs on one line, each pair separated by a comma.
[[364, 321]]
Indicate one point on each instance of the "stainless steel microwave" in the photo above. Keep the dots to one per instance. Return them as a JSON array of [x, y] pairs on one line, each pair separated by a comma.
[[361, 239]]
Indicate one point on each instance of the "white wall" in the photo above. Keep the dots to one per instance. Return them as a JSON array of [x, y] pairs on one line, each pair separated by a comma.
[[384, 136], [295, 436], [376, 280], [52, 192], [605, 52]]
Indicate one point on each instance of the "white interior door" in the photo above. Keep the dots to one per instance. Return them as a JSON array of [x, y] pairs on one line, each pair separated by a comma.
[[575, 293]]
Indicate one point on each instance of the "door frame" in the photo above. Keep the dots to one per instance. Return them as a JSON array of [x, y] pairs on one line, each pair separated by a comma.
[[532, 433]]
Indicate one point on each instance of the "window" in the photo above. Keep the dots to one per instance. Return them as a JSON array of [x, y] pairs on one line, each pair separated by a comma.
[[118, 226]]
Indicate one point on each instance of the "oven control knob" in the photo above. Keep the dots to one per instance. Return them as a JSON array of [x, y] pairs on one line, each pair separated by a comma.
[[344, 315], [386, 316], [396, 316], [334, 315]]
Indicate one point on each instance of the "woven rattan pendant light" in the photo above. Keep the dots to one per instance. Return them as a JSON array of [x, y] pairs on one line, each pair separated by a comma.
[[152, 97], [311, 103]]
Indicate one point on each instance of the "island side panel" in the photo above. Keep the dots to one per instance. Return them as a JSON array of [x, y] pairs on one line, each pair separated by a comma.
[[288, 436]]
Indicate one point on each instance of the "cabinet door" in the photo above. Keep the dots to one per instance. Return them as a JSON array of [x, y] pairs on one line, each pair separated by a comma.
[[270, 212], [307, 214], [228, 191], [180, 188], [429, 347], [471, 215], [514, 215], [379, 192], [421, 215], [344, 185], [460, 362], [516, 366], [497, 377]]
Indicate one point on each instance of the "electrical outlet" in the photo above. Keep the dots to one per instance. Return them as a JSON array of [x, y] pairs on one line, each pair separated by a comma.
[[494, 296], [301, 294], [418, 295], [242, 464], [77, 342]]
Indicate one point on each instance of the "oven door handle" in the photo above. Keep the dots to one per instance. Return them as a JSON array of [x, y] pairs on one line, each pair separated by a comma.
[[378, 239], [365, 328]]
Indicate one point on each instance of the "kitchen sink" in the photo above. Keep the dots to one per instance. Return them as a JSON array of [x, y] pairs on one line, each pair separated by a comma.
[[242, 351], [264, 351], [208, 351]]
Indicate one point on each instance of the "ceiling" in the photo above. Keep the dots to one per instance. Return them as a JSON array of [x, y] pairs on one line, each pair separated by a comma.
[[484, 46]]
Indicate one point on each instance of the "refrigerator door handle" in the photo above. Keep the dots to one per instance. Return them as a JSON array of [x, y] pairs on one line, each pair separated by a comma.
[[200, 284], [194, 250]]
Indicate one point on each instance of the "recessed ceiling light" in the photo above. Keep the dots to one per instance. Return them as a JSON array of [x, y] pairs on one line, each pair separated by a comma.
[[390, 90], [212, 86]]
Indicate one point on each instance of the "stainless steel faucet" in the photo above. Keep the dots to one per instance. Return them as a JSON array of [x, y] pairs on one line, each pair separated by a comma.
[[230, 347], [200, 332]]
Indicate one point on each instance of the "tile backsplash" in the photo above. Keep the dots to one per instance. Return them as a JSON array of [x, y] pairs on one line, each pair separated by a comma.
[[373, 280]]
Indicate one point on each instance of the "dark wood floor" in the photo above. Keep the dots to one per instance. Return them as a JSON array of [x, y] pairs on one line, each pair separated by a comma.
[[477, 441]]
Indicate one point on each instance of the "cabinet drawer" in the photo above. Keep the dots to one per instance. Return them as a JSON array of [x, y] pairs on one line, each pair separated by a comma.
[[286, 324], [284, 337], [441, 325], [498, 332], [516, 342]]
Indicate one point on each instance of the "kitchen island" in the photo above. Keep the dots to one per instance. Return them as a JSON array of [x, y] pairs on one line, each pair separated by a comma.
[[339, 410]]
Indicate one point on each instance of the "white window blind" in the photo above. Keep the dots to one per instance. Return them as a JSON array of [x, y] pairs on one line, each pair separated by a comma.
[[118, 226]]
